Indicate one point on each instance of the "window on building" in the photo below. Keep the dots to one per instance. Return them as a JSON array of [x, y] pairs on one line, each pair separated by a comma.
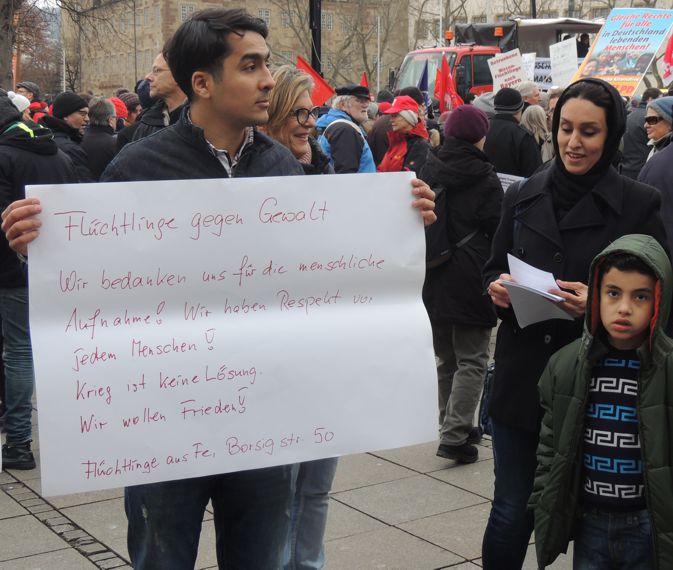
[[346, 25], [501, 17], [327, 21], [600, 12], [264, 14], [423, 28], [157, 15], [147, 17], [462, 19], [577, 14], [186, 10], [548, 14], [286, 19], [122, 23], [479, 19]]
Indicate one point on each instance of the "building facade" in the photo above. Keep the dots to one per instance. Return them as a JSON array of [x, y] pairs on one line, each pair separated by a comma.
[[112, 44]]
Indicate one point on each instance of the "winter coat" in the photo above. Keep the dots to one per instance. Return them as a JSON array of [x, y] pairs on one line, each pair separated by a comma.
[[511, 148], [100, 145], [452, 292], [528, 229], [564, 389], [635, 150], [413, 146], [658, 172], [69, 141], [28, 155], [345, 144], [181, 152]]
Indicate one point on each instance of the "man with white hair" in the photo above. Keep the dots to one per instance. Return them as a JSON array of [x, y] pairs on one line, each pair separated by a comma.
[[530, 93], [342, 138]]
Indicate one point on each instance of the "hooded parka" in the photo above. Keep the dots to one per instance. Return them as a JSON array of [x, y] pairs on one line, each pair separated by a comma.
[[564, 389]]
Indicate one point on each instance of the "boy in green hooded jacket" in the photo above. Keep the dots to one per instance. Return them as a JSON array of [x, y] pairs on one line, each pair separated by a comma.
[[605, 458]]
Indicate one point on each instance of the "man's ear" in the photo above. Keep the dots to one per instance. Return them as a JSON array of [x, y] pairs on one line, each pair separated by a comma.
[[202, 84]]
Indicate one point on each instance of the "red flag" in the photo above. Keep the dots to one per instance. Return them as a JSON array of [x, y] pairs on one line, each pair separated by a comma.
[[322, 90], [668, 59], [363, 80], [445, 89]]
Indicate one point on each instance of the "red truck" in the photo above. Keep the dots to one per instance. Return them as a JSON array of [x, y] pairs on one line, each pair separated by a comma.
[[475, 44]]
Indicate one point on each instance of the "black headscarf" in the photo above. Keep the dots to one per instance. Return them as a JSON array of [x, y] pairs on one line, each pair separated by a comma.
[[568, 188]]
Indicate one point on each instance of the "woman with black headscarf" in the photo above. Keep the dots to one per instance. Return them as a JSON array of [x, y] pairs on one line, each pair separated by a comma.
[[557, 221]]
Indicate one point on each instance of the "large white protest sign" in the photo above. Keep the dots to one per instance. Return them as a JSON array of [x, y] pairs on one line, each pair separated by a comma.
[[564, 65], [507, 69], [528, 60], [197, 327]]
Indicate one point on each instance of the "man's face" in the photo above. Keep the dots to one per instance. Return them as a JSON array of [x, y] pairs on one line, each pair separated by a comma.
[[27, 94], [534, 98], [240, 95], [78, 120], [357, 108], [550, 111], [161, 79]]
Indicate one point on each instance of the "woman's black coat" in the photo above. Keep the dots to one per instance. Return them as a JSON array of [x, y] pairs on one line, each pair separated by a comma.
[[453, 291], [528, 229]]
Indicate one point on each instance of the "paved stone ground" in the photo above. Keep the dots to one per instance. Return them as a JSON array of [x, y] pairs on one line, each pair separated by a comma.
[[398, 509]]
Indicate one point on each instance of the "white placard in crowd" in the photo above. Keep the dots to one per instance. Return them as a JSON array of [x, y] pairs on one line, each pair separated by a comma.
[[188, 328], [564, 64], [528, 60], [507, 70]]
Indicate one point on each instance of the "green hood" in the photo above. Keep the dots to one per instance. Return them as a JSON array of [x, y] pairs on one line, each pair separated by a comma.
[[652, 254]]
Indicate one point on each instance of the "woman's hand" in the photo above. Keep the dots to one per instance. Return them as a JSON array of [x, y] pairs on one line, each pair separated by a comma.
[[497, 291], [425, 201], [20, 224], [576, 300]]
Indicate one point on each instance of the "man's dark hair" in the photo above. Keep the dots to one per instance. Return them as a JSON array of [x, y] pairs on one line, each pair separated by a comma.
[[650, 93], [414, 93], [200, 43], [623, 262]]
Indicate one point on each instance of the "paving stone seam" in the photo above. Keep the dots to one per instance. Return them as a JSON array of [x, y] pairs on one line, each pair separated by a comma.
[[99, 554]]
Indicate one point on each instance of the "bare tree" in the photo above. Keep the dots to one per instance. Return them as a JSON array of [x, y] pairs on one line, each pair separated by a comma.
[[349, 46]]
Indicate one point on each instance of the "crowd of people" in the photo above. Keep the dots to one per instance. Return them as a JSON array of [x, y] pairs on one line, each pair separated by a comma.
[[580, 409]]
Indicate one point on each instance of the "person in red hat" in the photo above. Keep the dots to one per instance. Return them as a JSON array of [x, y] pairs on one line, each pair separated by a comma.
[[121, 112], [408, 144]]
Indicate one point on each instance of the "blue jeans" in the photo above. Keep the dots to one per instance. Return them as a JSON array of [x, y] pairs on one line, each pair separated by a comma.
[[613, 541], [510, 523], [18, 359], [305, 549], [251, 511]]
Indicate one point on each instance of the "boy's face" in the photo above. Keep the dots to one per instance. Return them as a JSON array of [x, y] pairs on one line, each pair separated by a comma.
[[627, 305]]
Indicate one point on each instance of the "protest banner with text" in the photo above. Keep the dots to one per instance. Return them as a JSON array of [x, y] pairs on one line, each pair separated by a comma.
[[188, 328]]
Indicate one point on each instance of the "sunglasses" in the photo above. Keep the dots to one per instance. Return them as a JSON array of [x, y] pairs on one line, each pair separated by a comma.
[[302, 115], [653, 120]]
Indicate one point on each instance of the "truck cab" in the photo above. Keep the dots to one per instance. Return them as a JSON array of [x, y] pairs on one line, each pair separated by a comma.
[[468, 64]]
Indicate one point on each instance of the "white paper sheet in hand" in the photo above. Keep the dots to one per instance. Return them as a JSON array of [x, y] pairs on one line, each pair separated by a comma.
[[529, 294]]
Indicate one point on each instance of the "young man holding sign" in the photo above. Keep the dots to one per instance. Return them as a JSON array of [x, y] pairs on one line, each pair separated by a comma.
[[219, 59]]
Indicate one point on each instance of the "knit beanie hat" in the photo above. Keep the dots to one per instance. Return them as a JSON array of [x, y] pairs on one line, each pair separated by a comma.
[[663, 107], [120, 109], [67, 103], [485, 103], [131, 100], [507, 101], [20, 102], [467, 123], [30, 86]]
